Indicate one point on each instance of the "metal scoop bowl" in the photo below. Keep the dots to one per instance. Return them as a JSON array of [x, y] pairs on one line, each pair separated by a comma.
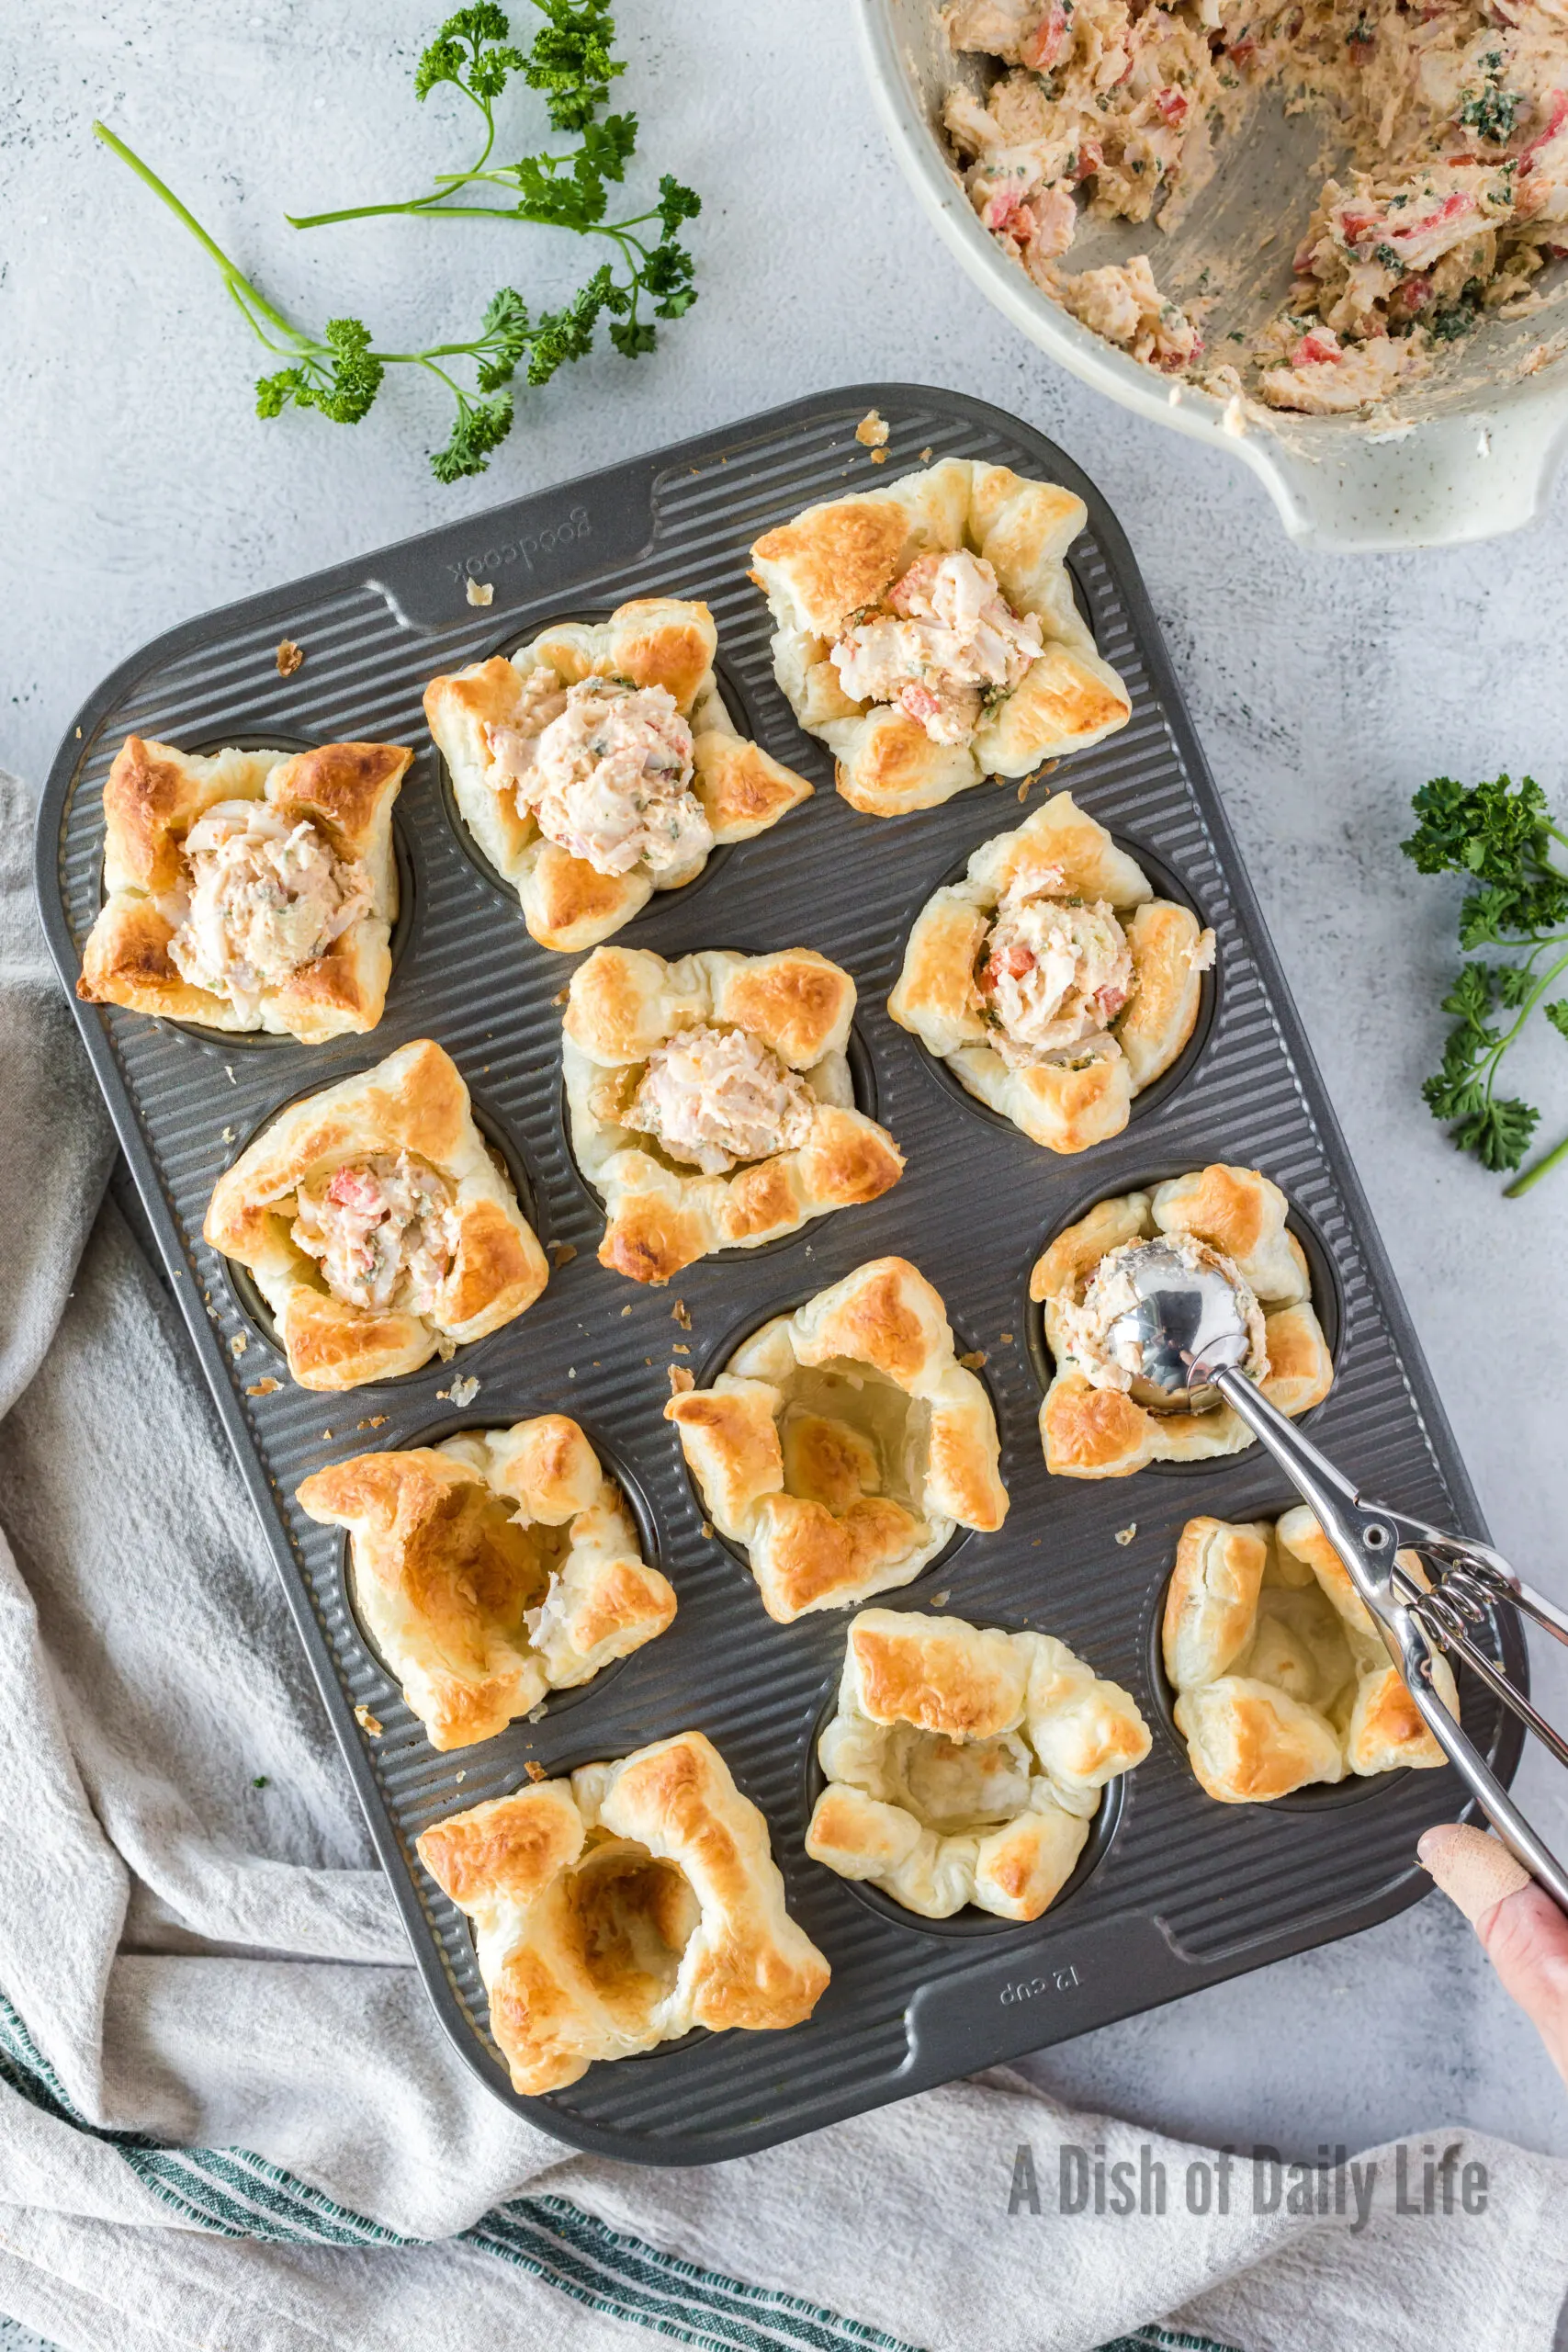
[[1189, 1331]]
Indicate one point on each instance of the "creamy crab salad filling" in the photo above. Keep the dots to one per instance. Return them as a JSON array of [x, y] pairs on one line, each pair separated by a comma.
[[716, 1097], [261, 895], [605, 768], [946, 645], [1455, 194], [1087, 1325], [1054, 974], [383, 1230]]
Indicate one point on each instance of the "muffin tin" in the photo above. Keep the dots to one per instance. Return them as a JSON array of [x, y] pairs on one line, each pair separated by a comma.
[[1176, 1893]]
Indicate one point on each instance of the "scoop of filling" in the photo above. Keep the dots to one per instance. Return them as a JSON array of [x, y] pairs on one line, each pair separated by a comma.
[[260, 897], [1086, 1324], [947, 643], [715, 1097], [383, 1232], [605, 767], [1055, 976]]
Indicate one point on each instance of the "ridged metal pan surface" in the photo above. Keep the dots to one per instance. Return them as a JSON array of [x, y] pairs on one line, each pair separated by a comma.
[[1182, 1892]]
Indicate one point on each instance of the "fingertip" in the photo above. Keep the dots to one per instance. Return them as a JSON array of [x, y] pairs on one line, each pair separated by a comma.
[[1472, 1869]]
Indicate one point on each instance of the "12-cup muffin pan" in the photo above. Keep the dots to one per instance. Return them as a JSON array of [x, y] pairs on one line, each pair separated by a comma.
[[1174, 1891]]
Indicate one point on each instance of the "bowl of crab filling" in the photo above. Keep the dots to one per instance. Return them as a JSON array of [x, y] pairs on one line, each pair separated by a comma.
[[1330, 236]]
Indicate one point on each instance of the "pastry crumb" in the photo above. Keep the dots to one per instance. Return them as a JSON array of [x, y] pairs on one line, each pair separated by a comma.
[[926, 455], [974, 1360], [288, 658], [326, 1437], [872, 431], [368, 1723], [374, 1421], [228, 1134], [940, 1600], [626, 1310], [677, 1348], [680, 1312], [478, 592], [1006, 1339], [462, 1392], [534, 1770], [536, 1714], [561, 996], [879, 456], [266, 1387], [705, 1528], [239, 1344], [228, 1073], [1126, 1535], [563, 1253], [681, 1380], [1200, 954], [462, 1776]]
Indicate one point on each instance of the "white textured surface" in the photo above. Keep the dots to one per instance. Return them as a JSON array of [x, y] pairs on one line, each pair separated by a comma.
[[139, 490]]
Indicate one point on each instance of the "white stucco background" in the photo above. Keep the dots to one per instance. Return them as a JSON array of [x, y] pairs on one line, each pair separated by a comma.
[[138, 488]]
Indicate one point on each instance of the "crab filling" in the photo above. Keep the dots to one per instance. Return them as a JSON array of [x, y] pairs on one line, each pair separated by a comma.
[[946, 644], [605, 769], [715, 1097], [260, 897], [1053, 976], [1087, 1325], [951, 1785], [383, 1231]]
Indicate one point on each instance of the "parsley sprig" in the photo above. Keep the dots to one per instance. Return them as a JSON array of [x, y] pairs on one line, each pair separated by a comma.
[[1500, 836], [339, 371]]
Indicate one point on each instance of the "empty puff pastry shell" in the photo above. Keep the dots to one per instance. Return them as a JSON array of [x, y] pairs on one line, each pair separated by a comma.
[[153, 796], [415, 1102], [844, 1444], [490, 1569], [963, 1765], [1281, 1676], [820, 571], [1060, 853], [657, 641], [620, 1908], [1090, 1432], [625, 1001]]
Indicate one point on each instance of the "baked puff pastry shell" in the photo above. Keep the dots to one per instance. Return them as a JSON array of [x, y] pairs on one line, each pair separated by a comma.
[[965, 1765], [1060, 853], [657, 641], [620, 1908], [155, 794], [1281, 1676], [492, 1568], [844, 1444], [1090, 1432], [661, 1215], [415, 1101], [822, 573]]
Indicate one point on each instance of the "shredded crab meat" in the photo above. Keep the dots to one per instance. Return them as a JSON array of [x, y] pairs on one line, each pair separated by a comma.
[[1085, 1323], [261, 895], [1455, 112], [1054, 974], [605, 768], [716, 1097], [383, 1232], [945, 642]]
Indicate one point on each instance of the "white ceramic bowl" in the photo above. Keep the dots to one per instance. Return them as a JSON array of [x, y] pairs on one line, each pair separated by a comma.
[[1476, 448]]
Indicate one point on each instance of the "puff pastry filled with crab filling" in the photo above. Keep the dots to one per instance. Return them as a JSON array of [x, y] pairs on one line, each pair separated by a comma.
[[490, 1569], [843, 1445], [1051, 980], [710, 1101], [248, 890], [378, 1226], [926, 630], [600, 765], [1281, 1677], [1231, 1220], [620, 1908], [965, 1765]]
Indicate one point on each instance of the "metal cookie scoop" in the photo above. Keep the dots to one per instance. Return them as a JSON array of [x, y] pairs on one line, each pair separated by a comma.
[[1192, 1336]]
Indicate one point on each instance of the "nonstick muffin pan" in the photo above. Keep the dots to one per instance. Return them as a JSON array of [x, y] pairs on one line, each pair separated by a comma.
[[1175, 1892]]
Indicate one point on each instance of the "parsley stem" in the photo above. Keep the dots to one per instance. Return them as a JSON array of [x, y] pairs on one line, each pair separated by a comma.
[[1521, 1184], [239, 284]]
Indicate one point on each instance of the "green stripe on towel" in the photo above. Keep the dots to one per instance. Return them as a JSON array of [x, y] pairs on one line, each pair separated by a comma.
[[238, 2194]]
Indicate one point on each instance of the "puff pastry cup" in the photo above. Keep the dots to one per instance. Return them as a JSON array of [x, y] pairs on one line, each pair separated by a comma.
[[492, 1568], [1281, 1676], [451, 1255], [735, 1061], [620, 1908], [285, 935], [1091, 1431], [965, 1765], [1051, 980], [843, 1444], [487, 721], [833, 570]]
